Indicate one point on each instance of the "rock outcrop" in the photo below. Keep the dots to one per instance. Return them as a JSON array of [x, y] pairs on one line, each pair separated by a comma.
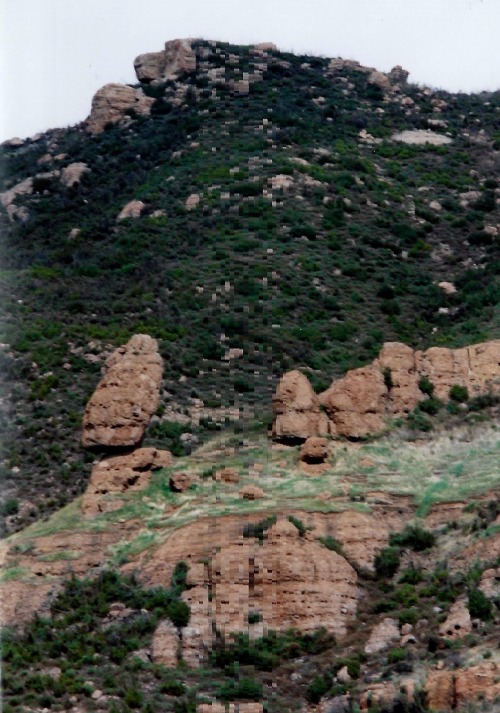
[[121, 407], [121, 474], [111, 103], [297, 413], [133, 209], [177, 57], [71, 174], [450, 690], [359, 403], [382, 636]]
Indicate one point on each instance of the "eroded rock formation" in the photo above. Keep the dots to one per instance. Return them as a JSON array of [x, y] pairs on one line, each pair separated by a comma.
[[177, 57], [121, 474], [121, 407], [111, 103], [297, 413], [359, 403]]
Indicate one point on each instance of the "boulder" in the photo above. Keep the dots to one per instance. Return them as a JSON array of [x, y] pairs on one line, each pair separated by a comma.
[[458, 622], [121, 474], [111, 103], [71, 174], [179, 482], [121, 407], [166, 644], [252, 492], [377, 694], [227, 475], [355, 404], [133, 209], [382, 636], [314, 450], [297, 413], [177, 57]]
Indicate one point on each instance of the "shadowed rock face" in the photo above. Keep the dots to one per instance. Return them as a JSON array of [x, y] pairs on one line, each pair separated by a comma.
[[121, 407]]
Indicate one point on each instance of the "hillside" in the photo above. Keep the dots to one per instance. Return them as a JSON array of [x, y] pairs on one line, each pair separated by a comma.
[[251, 391], [283, 226]]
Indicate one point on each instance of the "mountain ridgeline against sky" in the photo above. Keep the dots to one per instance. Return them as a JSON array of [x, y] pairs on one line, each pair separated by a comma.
[[253, 211]]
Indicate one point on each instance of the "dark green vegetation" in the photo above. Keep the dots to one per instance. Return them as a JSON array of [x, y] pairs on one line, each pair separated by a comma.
[[317, 283]]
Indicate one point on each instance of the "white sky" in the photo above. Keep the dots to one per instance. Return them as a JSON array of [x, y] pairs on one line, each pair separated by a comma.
[[55, 54]]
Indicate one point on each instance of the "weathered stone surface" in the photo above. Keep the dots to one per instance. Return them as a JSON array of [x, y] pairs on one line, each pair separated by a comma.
[[382, 636], [227, 475], [420, 137], [290, 581], [355, 402], [242, 707], [377, 694], [179, 482], [449, 690], [490, 583], [133, 209], [252, 492], [314, 450], [296, 407], [399, 360], [70, 175], [111, 103], [192, 201], [166, 644], [121, 474], [121, 407], [22, 188], [177, 57], [458, 622], [440, 690]]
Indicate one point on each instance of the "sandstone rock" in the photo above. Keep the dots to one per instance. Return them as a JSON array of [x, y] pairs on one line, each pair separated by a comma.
[[381, 80], [377, 694], [421, 137], [314, 450], [398, 75], [362, 536], [400, 362], [490, 583], [73, 173], [121, 474], [179, 482], [166, 644], [111, 103], [133, 209], [355, 403], [266, 47], [458, 623], [22, 188], [481, 681], [343, 675], [296, 407], [281, 182], [241, 88], [252, 492], [193, 201], [19, 213], [339, 704], [440, 690], [121, 407], [382, 635], [289, 580], [227, 475], [177, 57]]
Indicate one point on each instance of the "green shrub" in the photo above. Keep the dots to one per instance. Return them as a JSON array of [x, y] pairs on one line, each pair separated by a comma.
[[388, 378], [396, 655], [9, 507], [133, 697], [426, 386], [430, 406], [332, 544], [413, 537], [412, 575], [387, 562], [408, 616], [317, 688], [406, 595], [479, 605], [299, 525], [172, 687], [179, 613], [244, 688], [459, 393], [418, 422]]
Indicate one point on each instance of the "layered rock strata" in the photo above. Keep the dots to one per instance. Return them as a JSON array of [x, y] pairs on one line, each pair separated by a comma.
[[297, 409]]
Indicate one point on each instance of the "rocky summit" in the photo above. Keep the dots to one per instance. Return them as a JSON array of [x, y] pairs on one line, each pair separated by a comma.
[[251, 393]]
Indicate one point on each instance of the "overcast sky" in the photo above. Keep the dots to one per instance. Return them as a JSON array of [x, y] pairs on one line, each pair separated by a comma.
[[55, 54]]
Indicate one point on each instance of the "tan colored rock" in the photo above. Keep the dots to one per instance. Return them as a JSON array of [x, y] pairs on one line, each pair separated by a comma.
[[481, 681], [252, 492], [362, 536], [166, 644], [314, 450], [23, 188], [458, 622], [193, 201], [377, 694], [150, 66], [216, 707], [227, 475], [381, 80], [420, 137], [70, 175], [355, 402], [490, 583], [111, 103], [297, 413], [440, 690], [382, 636], [404, 394], [179, 482], [398, 75], [121, 474], [289, 580], [133, 209], [177, 57], [121, 407]]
